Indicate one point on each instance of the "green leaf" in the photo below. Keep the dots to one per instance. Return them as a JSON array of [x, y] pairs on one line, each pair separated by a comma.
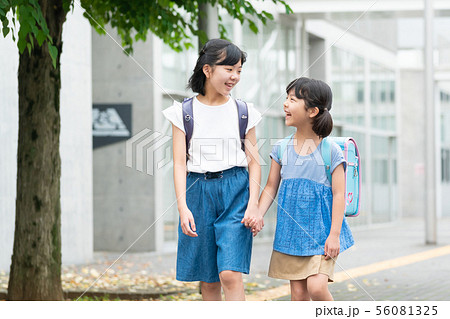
[[188, 45], [5, 32], [252, 26], [53, 53], [268, 15], [202, 35], [67, 4], [4, 4], [174, 21], [40, 37], [286, 6], [21, 44], [29, 48]]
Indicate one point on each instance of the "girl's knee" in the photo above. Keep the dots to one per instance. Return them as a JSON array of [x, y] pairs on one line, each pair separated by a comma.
[[318, 292], [230, 278], [299, 291], [210, 287], [318, 286]]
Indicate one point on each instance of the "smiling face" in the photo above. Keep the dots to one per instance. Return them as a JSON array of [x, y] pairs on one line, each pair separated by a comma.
[[297, 114], [220, 79]]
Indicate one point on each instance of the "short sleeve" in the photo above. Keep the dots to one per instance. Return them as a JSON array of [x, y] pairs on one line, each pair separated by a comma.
[[337, 157], [274, 153], [174, 114], [254, 117]]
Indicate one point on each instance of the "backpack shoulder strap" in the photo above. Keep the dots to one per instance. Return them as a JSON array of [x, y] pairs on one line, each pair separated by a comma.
[[188, 120], [283, 144], [326, 156], [243, 120]]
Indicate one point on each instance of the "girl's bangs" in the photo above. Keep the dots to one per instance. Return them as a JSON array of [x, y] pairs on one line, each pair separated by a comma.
[[232, 56]]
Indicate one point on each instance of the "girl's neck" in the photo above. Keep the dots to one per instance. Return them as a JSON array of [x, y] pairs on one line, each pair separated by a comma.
[[212, 99], [307, 134], [303, 138]]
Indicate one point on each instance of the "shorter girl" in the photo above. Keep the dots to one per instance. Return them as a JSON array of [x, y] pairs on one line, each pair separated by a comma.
[[311, 229]]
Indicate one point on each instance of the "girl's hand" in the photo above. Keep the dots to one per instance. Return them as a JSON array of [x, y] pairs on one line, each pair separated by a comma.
[[257, 226], [251, 215], [187, 223], [332, 246], [253, 219]]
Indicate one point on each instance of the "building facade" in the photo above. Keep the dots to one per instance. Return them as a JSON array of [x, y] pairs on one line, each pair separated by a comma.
[[117, 177]]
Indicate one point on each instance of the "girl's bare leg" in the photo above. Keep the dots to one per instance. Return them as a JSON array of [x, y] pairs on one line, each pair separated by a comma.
[[233, 286], [211, 291], [299, 290], [318, 288]]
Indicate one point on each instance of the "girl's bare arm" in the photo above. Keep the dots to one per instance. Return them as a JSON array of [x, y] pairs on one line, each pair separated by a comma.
[[254, 167], [271, 188], [332, 244], [179, 175]]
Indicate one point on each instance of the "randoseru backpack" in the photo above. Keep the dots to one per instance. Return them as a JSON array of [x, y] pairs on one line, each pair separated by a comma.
[[188, 116], [352, 174]]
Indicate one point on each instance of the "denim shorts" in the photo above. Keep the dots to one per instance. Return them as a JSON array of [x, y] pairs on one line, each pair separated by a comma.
[[218, 203]]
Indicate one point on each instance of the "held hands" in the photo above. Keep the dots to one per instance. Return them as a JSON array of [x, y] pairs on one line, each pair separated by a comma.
[[332, 246], [253, 219], [187, 222]]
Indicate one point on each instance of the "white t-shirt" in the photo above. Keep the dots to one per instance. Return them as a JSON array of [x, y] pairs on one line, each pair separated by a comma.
[[215, 144]]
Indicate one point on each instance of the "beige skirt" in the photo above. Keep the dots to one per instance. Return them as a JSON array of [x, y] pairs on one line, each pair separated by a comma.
[[290, 267]]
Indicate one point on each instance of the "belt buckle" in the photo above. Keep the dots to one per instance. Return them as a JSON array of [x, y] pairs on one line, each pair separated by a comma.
[[213, 175]]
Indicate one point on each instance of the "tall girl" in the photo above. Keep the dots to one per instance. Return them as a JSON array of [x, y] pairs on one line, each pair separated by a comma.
[[218, 198], [311, 229]]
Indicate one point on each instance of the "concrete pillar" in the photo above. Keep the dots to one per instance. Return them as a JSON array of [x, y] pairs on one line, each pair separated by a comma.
[[208, 21], [124, 204], [431, 152]]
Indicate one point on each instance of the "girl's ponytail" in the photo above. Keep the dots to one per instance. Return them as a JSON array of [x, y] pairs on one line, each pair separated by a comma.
[[323, 123]]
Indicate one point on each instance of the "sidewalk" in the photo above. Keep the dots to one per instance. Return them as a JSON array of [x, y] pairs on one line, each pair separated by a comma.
[[393, 263], [389, 262]]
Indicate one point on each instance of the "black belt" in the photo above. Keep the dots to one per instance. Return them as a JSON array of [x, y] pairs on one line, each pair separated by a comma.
[[213, 175]]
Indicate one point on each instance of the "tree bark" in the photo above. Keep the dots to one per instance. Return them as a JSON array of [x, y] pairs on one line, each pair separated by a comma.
[[36, 262]]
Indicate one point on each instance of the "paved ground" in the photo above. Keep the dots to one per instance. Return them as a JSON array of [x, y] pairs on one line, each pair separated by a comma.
[[389, 262], [424, 275]]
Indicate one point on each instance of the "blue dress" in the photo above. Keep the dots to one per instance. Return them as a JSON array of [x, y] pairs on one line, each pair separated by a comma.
[[305, 203]]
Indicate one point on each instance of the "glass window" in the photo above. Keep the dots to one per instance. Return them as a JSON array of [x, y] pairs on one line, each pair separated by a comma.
[[384, 182], [348, 86], [382, 96], [360, 93]]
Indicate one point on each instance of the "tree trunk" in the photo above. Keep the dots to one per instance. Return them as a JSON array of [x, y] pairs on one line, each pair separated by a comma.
[[36, 261]]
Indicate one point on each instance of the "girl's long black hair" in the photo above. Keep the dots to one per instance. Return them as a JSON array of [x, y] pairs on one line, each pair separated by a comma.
[[315, 93], [214, 52]]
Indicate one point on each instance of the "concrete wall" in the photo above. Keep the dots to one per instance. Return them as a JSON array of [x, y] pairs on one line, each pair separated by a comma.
[[75, 143], [123, 196], [411, 145], [316, 49], [9, 117], [373, 29]]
